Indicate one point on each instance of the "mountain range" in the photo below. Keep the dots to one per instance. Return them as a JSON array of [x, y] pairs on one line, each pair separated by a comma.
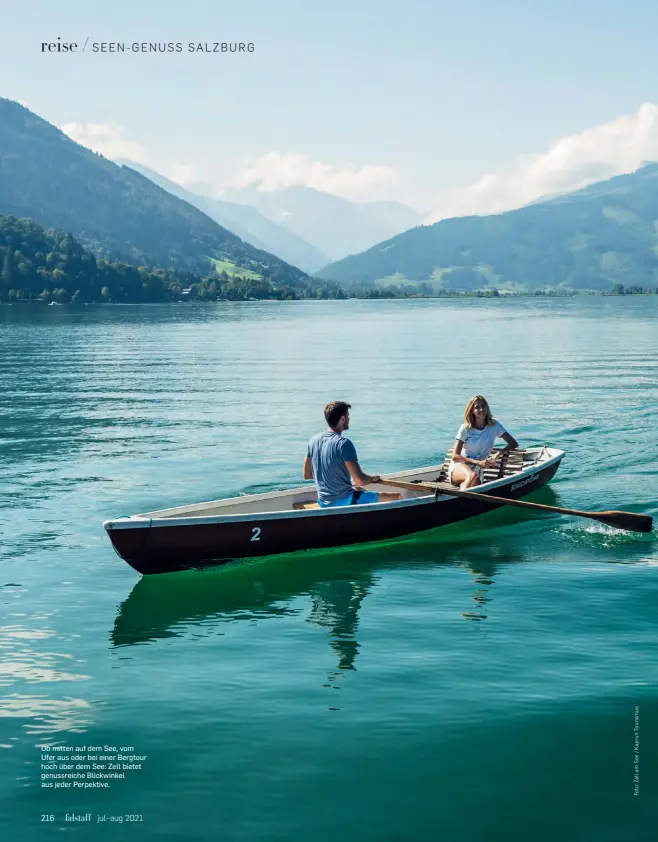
[[115, 212], [597, 238], [303, 226], [244, 221], [592, 239], [333, 224]]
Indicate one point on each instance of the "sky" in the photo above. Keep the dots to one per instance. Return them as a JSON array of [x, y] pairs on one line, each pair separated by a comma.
[[474, 107]]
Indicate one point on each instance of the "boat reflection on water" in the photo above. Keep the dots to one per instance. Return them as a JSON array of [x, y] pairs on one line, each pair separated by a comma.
[[335, 606], [483, 575], [336, 581]]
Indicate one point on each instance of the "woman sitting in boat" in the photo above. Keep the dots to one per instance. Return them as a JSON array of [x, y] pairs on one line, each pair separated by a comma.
[[475, 440]]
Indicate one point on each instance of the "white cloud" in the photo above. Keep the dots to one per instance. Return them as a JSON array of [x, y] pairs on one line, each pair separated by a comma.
[[277, 170], [106, 138], [574, 161], [183, 174], [109, 140]]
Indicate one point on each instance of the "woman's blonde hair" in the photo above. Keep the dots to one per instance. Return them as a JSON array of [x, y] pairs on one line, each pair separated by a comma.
[[468, 412]]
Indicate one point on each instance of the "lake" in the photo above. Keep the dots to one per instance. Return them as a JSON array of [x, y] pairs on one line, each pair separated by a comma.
[[494, 680]]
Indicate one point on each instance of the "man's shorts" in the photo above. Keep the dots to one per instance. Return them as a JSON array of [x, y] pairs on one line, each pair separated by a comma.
[[349, 499]]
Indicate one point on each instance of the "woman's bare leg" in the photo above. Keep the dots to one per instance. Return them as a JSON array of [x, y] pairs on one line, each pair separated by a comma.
[[464, 477]]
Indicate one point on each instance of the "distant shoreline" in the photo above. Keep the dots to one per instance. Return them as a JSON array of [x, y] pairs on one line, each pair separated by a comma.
[[456, 297]]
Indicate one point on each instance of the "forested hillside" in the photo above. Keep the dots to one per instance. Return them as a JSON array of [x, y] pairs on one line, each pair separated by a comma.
[[595, 239], [53, 266]]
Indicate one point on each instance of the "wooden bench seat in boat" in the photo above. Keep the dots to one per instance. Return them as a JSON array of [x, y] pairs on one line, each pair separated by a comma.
[[510, 463]]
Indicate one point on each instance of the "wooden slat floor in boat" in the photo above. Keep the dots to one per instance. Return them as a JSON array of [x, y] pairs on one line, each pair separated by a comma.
[[512, 464]]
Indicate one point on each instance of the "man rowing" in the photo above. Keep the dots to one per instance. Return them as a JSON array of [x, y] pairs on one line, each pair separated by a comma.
[[332, 462]]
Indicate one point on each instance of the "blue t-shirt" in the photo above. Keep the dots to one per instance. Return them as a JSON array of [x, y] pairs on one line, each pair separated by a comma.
[[328, 452]]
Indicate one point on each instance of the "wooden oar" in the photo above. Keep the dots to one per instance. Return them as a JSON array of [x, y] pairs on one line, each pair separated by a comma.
[[620, 520]]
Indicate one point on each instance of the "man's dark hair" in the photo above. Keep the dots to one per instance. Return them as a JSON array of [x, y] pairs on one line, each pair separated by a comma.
[[334, 411]]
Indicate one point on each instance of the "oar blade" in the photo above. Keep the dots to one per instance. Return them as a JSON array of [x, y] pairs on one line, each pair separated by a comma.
[[630, 521]]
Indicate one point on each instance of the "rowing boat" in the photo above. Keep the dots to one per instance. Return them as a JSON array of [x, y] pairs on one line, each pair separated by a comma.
[[218, 531]]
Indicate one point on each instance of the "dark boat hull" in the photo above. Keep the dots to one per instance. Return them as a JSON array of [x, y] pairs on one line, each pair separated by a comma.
[[165, 548]]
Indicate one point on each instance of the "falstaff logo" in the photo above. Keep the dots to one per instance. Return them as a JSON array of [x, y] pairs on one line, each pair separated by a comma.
[[61, 46]]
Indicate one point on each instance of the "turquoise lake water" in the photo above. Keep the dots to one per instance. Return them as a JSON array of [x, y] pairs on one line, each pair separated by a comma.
[[495, 680]]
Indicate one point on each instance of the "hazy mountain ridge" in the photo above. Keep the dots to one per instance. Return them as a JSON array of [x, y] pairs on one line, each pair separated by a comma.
[[592, 239], [244, 221], [333, 224]]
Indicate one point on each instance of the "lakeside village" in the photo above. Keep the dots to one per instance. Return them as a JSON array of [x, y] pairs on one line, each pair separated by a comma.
[[425, 290], [60, 296]]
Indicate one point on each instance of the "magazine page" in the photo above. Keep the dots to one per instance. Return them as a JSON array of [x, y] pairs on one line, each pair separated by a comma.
[[328, 465]]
